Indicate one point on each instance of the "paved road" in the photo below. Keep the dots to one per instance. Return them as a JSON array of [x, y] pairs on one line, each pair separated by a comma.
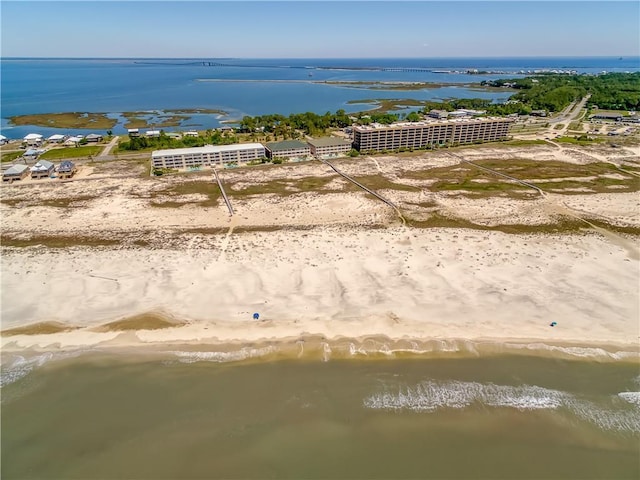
[[568, 115], [107, 149]]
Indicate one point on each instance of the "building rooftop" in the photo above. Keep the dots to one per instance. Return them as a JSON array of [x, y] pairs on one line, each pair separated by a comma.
[[56, 136], [66, 165], [42, 165], [427, 122], [33, 136], [15, 169], [206, 149], [328, 141], [286, 145]]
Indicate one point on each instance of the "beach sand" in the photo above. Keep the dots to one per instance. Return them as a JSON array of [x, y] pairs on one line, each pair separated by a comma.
[[326, 265]]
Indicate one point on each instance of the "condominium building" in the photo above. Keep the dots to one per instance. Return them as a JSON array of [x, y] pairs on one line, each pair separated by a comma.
[[207, 155], [329, 146], [378, 137], [288, 149]]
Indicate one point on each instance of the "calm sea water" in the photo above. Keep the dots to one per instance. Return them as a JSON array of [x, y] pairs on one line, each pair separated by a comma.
[[186, 414], [30, 86]]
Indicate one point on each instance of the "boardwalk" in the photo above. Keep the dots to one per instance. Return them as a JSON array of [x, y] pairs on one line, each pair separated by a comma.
[[224, 194], [366, 189]]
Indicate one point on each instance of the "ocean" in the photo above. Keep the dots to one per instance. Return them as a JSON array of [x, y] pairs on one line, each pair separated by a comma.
[[251, 413], [247, 86]]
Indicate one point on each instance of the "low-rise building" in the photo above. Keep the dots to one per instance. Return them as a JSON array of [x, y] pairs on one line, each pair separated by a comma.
[[288, 149], [33, 139], [152, 133], [439, 114], [67, 169], [57, 138], [42, 169], [94, 138], [207, 155], [30, 154], [190, 133], [133, 132], [616, 117], [15, 172], [73, 141], [326, 147], [3, 140]]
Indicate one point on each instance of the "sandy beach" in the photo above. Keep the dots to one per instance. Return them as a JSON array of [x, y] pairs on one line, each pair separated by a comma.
[[330, 262]]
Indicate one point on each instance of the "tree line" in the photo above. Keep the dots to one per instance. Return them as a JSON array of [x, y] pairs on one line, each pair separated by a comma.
[[553, 92]]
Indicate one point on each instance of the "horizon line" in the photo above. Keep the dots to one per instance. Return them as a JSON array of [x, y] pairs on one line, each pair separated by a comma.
[[311, 58]]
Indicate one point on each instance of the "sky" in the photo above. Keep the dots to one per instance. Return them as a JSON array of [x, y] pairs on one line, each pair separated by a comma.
[[313, 29]]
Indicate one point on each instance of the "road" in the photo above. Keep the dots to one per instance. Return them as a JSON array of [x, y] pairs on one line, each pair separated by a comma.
[[107, 149]]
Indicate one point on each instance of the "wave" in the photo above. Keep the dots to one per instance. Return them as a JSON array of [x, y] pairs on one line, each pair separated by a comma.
[[631, 397], [21, 366], [431, 396], [222, 357]]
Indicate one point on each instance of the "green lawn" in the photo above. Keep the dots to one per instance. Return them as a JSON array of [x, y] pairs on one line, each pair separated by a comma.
[[71, 152], [10, 156]]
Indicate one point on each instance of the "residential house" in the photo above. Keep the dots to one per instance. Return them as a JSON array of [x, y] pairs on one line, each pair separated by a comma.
[[33, 139], [42, 169], [57, 138], [67, 169], [73, 141], [30, 154], [15, 172], [94, 138]]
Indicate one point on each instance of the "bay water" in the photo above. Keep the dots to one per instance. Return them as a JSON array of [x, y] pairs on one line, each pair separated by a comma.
[[248, 86]]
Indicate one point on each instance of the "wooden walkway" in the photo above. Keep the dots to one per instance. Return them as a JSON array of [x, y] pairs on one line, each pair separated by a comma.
[[224, 194]]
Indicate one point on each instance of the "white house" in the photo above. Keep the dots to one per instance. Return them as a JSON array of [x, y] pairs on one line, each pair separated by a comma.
[[56, 138], [152, 133], [72, 140], [33, 139], [3, 140]]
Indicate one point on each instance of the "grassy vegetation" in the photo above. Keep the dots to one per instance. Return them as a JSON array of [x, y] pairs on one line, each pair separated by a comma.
[[11, 156], [207, 188], [284, 188], [71, 152], [138, 120], [437, 220], [65, 202], [475, 182], [97, 121], [42, 328], [388, 105], [579, 141], [379, 182], [559, 126], [57, 241], [146, 321]]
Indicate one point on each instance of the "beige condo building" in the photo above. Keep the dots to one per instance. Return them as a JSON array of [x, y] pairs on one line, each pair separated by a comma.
[[207, 155], [377, 137]]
